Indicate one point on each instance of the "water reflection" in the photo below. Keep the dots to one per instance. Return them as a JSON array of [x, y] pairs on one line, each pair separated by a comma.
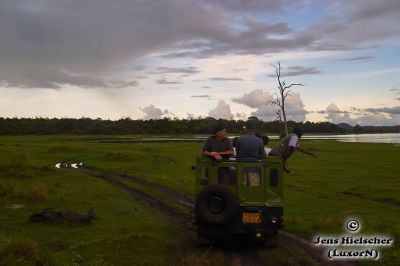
[[371, 138]]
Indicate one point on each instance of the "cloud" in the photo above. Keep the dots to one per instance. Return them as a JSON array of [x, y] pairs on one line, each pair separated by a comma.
[[225, 79], [388, 110], [369, 116], [44, 42], [357, 58], [190, 116], [241, 116], [335, 115], [167, 70], [297, 71], [222, 110], [253, 5], [152, 112], [164, 81], [261, 101], [356, 24], [200, 96]]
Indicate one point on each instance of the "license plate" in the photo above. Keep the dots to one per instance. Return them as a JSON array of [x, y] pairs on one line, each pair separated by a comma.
[[251, 218]]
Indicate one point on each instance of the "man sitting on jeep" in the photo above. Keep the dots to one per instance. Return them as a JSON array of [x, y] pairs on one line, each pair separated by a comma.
[[218, 144], [249, 146]]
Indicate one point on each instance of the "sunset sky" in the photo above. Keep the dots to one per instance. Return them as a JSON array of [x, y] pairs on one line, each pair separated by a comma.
[[190, 58]]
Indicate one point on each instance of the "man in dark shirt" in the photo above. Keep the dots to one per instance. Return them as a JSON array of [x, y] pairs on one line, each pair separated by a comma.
[[249, 145], [218, 145]]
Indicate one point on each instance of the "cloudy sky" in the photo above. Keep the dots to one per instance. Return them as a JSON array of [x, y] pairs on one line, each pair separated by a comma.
[[188, 58]]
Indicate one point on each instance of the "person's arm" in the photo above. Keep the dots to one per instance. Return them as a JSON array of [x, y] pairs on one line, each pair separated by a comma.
[[261, 150], [207, 150], [305, 151], [216, 155], [228, 148], [228, 152]]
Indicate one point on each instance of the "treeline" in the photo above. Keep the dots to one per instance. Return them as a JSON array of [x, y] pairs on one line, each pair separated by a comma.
[[39, 126]]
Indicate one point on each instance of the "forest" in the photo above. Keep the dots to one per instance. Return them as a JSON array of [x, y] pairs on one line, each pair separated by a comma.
[[49, 126]]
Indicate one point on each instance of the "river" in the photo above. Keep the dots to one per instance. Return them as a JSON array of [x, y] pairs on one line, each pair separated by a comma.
[[369, 138]]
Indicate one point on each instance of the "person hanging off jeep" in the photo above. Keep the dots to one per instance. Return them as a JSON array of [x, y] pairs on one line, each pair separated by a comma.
[[218, 145], [288, 145]]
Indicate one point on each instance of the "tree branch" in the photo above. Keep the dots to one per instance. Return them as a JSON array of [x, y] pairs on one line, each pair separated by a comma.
[[294, 84]]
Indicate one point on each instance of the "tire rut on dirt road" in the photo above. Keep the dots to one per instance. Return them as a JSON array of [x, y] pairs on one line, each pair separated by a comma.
[[313, 255], [143, 196], [180, 197]]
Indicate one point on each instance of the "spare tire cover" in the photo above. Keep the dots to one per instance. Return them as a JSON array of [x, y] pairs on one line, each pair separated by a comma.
[[216, 205]]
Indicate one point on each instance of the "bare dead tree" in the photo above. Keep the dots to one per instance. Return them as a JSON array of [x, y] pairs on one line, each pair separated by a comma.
[[280, 98], [278, 115]]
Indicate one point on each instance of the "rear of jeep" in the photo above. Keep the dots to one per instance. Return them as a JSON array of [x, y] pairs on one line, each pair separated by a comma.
[[239, 199]]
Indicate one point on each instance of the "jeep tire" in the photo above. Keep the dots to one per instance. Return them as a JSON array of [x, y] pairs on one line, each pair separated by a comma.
[[216, 205]]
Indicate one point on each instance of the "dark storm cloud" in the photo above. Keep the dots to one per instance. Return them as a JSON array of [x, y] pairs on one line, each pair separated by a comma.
[[164, 81], [297, 71], [43, 41], [253, 5], [357, 58], [388, 110], [200, 96], [255, 38], [360, 24], [225, 79], [51, 43], [168, 70]]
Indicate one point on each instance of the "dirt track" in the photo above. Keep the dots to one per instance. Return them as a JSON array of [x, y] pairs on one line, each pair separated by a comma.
[[234, 255]]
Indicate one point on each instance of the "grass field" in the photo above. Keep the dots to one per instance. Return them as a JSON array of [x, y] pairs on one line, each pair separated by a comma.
[[347, 180]]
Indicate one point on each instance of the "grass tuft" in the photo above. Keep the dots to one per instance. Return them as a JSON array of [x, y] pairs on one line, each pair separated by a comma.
[[22, 251], [9, 189], [38, 193], [327, 224]]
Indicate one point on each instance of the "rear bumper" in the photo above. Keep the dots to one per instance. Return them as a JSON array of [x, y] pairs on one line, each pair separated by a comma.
[[272, 221]]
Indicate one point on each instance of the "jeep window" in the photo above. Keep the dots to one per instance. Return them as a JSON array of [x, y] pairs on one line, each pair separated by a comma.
[[227, 175], [252, 176], [273, 177], [204, 172]]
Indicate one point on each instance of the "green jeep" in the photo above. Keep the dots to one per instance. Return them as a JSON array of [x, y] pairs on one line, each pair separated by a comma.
[[240, 198]]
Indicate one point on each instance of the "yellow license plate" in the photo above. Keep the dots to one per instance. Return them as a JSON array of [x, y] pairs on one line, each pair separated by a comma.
[[251, 218]]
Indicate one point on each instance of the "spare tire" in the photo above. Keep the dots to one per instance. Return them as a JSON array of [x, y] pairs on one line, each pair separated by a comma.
[[216, 205]]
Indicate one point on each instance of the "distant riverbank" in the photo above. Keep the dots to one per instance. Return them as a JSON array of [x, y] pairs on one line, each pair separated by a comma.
[[366, 138]]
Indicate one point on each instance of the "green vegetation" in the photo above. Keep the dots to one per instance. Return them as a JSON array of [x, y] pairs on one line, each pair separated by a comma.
[[24, 126], [347, 180]]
